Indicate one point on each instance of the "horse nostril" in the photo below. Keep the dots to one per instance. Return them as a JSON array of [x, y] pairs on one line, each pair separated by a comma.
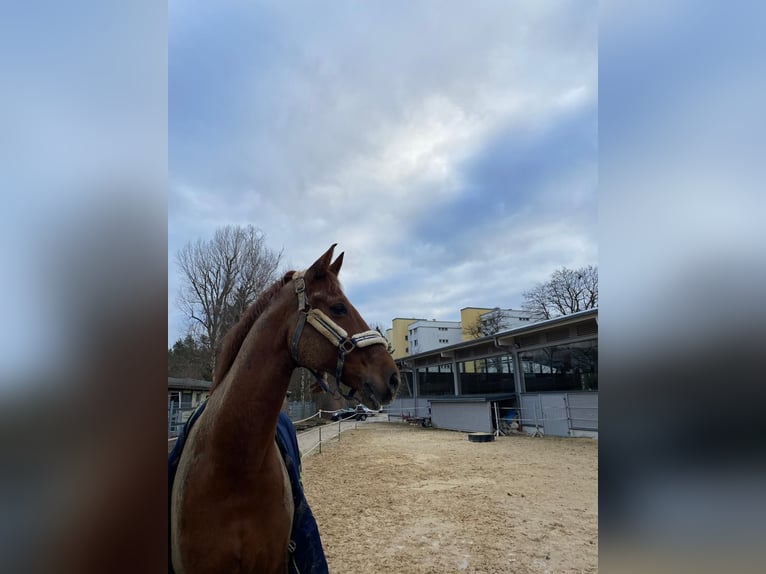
[[393, 382]]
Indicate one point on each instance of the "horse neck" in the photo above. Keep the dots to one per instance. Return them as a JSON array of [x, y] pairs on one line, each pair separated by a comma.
[[251, 396]]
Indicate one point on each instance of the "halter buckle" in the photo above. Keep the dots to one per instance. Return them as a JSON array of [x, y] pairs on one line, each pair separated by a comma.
[[347, 345], [300, 290]]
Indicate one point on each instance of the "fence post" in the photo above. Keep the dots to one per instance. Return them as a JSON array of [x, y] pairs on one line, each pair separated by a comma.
[[537, 426], [320, 440]]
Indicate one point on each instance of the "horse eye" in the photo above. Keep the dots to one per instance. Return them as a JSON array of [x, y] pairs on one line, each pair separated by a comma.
[[338, 309]]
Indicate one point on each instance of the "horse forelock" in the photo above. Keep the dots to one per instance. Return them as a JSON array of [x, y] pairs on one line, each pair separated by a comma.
[[233, 340]]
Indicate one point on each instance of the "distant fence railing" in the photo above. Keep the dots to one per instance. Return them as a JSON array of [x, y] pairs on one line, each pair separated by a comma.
[[576, 418], [311, 441], [179, 414], [177, 417], [406, 412]]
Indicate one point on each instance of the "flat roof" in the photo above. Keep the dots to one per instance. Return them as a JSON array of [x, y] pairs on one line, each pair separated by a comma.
[[469, 399], [514, 332], [190, 384]]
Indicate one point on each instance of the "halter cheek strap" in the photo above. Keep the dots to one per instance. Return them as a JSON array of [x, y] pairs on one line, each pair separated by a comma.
[[330, 330]]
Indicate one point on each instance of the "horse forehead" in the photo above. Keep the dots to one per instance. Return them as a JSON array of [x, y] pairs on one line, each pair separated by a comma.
[[328, 288]]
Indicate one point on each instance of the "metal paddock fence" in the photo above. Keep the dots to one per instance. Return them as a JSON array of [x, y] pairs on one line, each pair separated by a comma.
[[177, 417], [309, 441], [551, 420]]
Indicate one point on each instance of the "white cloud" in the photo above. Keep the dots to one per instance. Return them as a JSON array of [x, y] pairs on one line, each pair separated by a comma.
[[345, 136]]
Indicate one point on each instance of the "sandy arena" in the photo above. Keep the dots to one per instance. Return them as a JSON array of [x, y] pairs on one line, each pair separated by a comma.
[[394, 498]]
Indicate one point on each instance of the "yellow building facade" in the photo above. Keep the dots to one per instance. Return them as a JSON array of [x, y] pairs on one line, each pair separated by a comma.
[[398, 336], [469, 317]]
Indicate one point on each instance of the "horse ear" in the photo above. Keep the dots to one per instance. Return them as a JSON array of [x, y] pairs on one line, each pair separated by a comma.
[[320, 266], [335, 267]]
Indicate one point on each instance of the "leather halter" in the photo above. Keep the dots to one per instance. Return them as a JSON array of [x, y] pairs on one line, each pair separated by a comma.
[[330, 330]]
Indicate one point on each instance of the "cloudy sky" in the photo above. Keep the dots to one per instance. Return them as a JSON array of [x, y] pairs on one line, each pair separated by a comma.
[[450, 151]]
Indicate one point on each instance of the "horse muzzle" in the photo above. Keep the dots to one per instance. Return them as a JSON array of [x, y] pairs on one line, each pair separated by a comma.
[[376, 396]]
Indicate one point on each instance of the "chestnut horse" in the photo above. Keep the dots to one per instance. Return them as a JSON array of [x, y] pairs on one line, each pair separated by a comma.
[[231, 504]]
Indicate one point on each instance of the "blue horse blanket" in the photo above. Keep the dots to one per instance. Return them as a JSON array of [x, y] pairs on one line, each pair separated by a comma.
[[307, 554]]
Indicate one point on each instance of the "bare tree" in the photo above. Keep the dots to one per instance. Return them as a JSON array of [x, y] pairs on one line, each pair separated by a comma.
[[567, 291], [221, 277], [379, 328], [487, 324]]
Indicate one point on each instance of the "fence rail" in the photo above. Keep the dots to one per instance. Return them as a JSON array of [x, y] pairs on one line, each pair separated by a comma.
[[177, 417], [308, 441], [584, 418], [402, 411], [312, 440]]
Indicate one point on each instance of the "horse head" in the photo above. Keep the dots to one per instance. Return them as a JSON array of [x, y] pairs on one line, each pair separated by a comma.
[[331, 336]]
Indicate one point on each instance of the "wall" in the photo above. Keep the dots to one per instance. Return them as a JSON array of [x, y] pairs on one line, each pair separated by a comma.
[[462, 416], [515, 318], [398, 336], [428, 335]]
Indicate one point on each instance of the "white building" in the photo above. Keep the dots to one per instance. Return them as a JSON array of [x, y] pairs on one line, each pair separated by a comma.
[[510, 318], [425, 335]]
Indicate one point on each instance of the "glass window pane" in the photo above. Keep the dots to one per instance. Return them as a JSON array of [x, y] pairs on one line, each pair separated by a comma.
[[405, 388], [570, 367], [487, 376], [436, 380]]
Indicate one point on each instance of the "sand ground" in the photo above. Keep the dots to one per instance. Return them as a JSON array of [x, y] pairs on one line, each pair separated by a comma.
[[391, 498]]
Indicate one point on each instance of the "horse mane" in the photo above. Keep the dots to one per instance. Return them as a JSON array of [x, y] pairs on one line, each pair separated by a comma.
[[233, 340]]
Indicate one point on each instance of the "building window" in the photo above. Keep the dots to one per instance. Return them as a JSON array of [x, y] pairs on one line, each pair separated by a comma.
[[487, 376], [568, 367], [436, 380], [405, 388], [406, 337]]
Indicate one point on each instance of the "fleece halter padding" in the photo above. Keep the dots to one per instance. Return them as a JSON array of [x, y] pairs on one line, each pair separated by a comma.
[[336, 334]]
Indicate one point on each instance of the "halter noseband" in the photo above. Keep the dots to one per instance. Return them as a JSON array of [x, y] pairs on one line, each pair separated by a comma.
[[332, 331]]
